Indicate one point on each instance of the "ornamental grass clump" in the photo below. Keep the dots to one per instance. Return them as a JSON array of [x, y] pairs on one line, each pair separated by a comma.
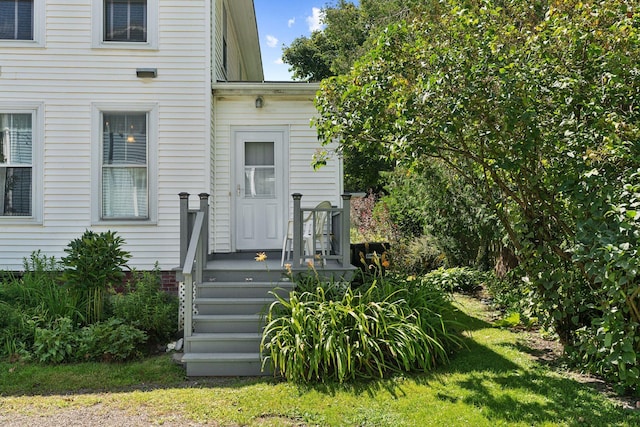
[[385, 326]]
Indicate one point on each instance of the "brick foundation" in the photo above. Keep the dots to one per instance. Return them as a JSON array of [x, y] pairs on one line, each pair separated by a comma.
[[169, 283]]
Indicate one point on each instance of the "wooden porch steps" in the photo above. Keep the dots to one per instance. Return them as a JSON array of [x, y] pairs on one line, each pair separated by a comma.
[[227, 326], [231, 306]]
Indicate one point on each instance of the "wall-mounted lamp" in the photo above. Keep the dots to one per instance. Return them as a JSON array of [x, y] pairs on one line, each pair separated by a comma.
[[259, 102], [147, 72]]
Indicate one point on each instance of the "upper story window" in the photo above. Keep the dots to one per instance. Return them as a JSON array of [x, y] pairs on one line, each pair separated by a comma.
[[16, 19], [16, 164], [225, 53], [125, 24], [125, 20]]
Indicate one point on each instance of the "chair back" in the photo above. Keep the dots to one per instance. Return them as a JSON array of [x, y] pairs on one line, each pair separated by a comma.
[[321, 217]]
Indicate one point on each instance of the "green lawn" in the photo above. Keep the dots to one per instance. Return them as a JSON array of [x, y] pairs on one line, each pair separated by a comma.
[[493, 382]]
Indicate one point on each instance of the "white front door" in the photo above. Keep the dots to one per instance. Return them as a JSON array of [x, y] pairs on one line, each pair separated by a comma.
[[259, 189]]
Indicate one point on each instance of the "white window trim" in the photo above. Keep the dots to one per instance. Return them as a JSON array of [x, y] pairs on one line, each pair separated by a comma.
[[96, 160], [37, 164], [97, 29], [38, 29]]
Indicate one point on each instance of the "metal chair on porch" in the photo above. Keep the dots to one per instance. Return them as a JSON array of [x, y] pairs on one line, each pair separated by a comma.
[[313, 230]]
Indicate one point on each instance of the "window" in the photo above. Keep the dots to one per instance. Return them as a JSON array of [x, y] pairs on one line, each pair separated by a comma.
[[16, 164], [16, 19], [225, 53], [259, 170], [129, 24], [125, 20], [124, 180]]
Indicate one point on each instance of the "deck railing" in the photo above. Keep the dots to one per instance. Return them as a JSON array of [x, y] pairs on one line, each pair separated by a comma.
[[335, 230], [194, 238]]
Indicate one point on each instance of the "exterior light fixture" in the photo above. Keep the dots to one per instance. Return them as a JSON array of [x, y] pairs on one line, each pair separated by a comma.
[[259, 102], [147, 72]]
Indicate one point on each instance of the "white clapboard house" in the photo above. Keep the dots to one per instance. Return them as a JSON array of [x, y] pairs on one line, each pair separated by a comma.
[[151, 118]]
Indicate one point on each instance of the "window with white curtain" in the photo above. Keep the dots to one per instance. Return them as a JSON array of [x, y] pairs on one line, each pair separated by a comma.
[[124, 155], [259, 170], [16, 19], [16, 164]]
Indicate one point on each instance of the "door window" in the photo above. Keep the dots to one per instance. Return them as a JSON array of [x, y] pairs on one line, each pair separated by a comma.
[[259, 170]]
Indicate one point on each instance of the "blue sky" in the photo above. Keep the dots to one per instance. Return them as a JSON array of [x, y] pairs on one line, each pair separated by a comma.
[[279, 23]]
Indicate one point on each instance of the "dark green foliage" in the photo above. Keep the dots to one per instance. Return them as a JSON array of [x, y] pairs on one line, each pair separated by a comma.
[[430, 200], [347, 27], [94, 262], [108, 341], [532, 104], [57, 343], [144, 305], [456, 279], [417, 255], [42, 310], [35, 299], [335, 333], [511, 293]]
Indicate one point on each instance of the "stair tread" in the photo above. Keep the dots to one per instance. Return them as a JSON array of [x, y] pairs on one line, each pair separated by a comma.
[[247, 283], [217, 357], [227, 335], [227, 316], [235, 300]]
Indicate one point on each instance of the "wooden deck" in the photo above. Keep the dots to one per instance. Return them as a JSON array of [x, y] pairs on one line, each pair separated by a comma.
[[246, 262]]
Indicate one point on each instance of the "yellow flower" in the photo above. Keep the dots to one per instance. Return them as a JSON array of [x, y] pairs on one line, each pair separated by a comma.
[[261, 256], [310, 263], [288, 268], [386, 263]]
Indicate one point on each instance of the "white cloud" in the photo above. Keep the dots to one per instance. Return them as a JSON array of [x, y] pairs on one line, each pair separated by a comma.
[[290, 22], [272, 41], [278, 61], [315, 20]]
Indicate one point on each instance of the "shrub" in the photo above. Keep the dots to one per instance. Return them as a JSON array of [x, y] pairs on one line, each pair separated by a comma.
[[511, 293], [417, 255], [145, 306], [56, 344], [93, 263], [370, 220], [366, 333], [458, 279], [108, 341], [15, 330], [34, 299]]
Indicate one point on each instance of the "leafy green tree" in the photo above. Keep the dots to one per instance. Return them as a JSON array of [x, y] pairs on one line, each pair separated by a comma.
[[348, 33], [433, 201], [534, 104], [347, 27]]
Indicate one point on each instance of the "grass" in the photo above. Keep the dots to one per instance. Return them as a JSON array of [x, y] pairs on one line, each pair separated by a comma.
[[494, 382]]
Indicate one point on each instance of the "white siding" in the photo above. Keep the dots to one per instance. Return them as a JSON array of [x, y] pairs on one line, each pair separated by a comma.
[[236, 69], [291, 113], [68, 76]]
